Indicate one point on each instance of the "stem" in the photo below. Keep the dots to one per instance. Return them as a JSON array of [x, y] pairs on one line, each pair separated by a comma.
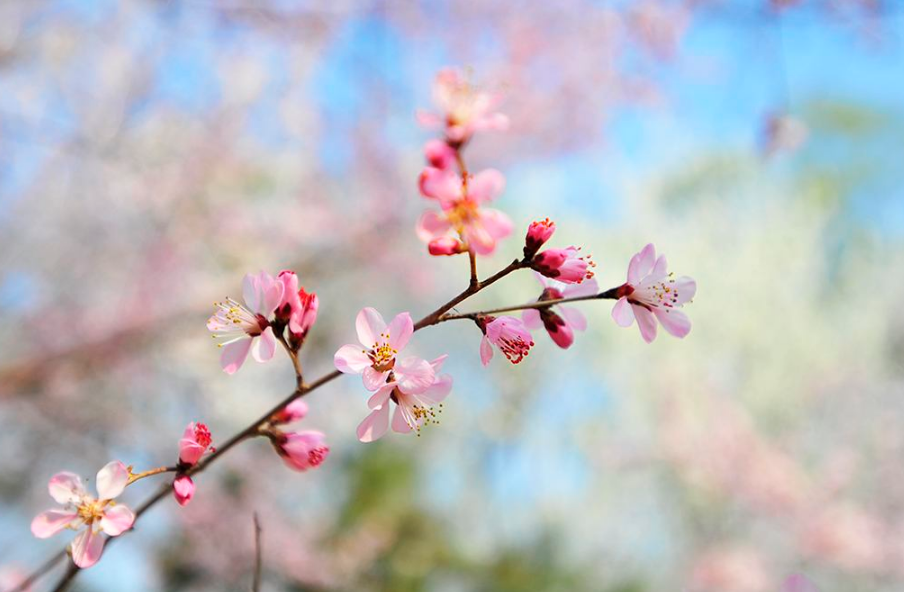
[[472, 259], [607, 295], [296, 361], [258, 555], [133, 477]]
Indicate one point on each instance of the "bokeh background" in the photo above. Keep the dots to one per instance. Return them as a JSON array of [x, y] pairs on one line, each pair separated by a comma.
[[154, 151]]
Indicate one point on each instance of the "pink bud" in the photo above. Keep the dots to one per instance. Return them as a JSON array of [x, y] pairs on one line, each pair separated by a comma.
[[194, 443], [439, 154], [446, 245], [565, 265], [558, 329], [183, 489], [537, 234], [302, 450], [294, 411]]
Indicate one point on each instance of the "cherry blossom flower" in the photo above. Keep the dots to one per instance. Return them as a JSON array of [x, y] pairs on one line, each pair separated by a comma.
[[439, 154], [297, 307], [81, 510], [248, 329], [194, 444], [413, 409], [560, 325], [377, 360], [509, 334], [465, 109], [301, 450], [651, 294], [462, 215], [566, 265], [538, 233]]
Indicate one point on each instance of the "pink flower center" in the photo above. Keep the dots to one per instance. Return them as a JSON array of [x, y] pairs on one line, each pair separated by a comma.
[[202, 435], [91, 510], [317, 455], [659, 294], [382, 354], [514, 348]]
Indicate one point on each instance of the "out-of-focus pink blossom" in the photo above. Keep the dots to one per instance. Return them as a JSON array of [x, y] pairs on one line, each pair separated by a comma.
[[413, 409], [734, 569], [81, 510], [301, 450], [464, 108], [11, 576], [509, 334], [297, 307], [294, 411], [652, 293], [248, 329], [566, 265], [377, 359], [561, 327], [446, 245], [439, 154], [538, 233], [846, 535], [462, 214], [798, 583], [183, 489]]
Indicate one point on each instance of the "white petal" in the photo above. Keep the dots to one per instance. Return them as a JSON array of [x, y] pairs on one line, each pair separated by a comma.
[[112, 480]]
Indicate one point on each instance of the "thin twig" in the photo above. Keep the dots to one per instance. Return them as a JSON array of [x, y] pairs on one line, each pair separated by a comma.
[[258, 559], [607, 295]]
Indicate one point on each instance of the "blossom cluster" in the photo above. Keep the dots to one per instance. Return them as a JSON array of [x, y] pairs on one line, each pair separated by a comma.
[[406, 391]]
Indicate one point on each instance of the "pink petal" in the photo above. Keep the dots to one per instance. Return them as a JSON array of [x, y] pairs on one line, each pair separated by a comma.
[[351, 359], [47, 524], [674, 321], [374, 379], [573, 317], [531, 318], [429, 120], [585, 288], [438, 391], [374, 425], [486, 185], [264, 346], [251, 291], [432, 225], [400, 330], [660, 269], [414, 375], [622, 313], [117, 520], [234, 354], [112, 480], [562, 336], [641, 264], [380, 398], [190, 451], [646, 322], [183, 489], [496, 223], [370, 326], [87, 548], [685, 288], [272, 294], [66, 488], [399, 425], [478, 239], [443, 185], [486, 351]]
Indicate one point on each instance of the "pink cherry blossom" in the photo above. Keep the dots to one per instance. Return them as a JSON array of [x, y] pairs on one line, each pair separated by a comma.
[[248, 329], [413, 409], [462, 214], [378, 359], [81, 510], [652, 294], [183, 489], [439, 154], [538, 233], [509, 334], [301, 450], [194, 443], [294, 411], [566, 265], [465, 109], [297, 307], [560, 325]]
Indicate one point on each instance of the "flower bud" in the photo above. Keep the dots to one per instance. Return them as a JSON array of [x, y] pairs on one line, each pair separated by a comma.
[[446, 245], [537, 234], [439, 154], [183, 489]]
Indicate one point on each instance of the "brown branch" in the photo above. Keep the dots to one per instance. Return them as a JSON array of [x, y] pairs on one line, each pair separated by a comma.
[[607, 295], [258, 555]]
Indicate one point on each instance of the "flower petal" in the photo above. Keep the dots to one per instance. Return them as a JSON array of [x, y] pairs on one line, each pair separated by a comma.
[[374, 425], [370, 326], [112, 480], [674, 321], [531, 318], [432, 225], [443, 185], [374, 379], [271, 294], [641, 264], [437, 391], [646, 322], [574, 317], [66, 488], [486, 351], [585, 288], [264, 346], [380, 398], [399, 424], [87, 548], [117, 520], [496, 223], [400, 330], [486, 185], [251, 291], [351, 359], [47, 524], [622, 313], [234, 354], [183, 489], [685, 288], [414, 375]]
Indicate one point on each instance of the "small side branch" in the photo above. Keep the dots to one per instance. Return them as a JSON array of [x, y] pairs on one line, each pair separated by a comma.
[[258, 555]]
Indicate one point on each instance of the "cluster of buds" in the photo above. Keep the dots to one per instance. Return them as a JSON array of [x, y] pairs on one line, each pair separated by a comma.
[[195, 443], [272, 305], [565, 265]]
